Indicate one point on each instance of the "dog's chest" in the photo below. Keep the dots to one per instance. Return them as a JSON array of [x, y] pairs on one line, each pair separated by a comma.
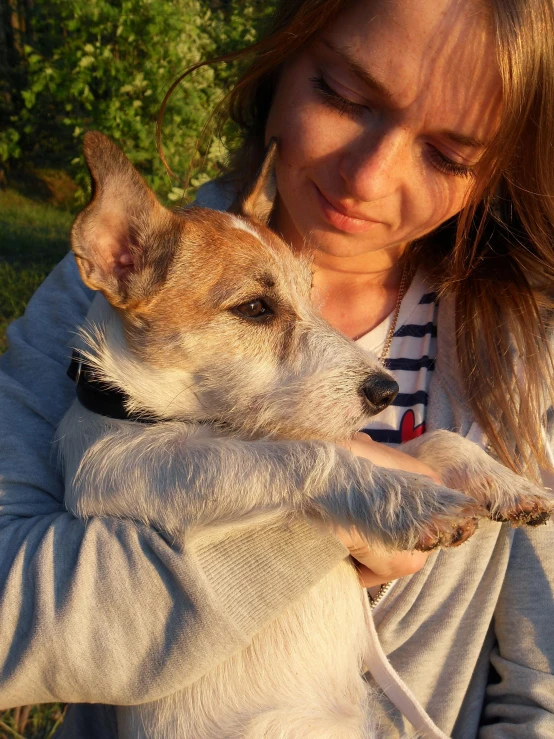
[[300, 678]]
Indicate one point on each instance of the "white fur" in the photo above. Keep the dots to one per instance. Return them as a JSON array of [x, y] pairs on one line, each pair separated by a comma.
[[250, 411], [301, 677], [243, 225]]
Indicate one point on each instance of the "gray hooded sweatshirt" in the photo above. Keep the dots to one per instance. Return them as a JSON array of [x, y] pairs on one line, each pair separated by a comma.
[[109, 612]]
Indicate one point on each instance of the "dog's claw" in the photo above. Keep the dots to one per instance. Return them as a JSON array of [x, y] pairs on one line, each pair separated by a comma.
[[428, 543], [540, 518], [522, 515], [458, 534], [463, 533]]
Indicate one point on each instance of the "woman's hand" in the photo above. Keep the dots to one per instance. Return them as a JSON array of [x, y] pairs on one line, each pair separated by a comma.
[[377, 568], [363, 446]]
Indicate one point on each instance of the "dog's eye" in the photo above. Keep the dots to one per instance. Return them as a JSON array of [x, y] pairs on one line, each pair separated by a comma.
[[254, 309]]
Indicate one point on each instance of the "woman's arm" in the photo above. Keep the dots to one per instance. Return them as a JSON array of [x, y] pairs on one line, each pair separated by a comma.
[[109, 611], [520, 696]]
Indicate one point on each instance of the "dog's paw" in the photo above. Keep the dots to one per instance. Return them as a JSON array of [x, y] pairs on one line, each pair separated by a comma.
[[495, 489], [426, 515], [506, 496], [512, 499], [448, 534]]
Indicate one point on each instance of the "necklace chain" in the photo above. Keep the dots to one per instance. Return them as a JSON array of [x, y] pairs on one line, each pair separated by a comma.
[[392, 329], [383, 590], [385, 587]]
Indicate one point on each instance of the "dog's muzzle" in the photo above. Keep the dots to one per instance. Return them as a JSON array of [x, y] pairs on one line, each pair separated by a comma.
[[379, 391]]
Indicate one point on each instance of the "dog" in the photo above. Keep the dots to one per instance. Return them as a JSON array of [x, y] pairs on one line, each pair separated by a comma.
[[228, 393]]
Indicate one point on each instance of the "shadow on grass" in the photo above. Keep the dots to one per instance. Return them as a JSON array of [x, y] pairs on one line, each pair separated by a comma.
[[34, 237]]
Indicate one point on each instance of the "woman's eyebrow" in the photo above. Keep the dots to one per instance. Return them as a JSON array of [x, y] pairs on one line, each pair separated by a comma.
[[363, 75], [460, 138]]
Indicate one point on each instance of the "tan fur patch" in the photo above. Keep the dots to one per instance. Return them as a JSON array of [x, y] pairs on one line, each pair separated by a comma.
[[216, 266]]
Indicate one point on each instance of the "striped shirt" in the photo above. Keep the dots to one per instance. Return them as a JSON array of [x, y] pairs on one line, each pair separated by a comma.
[[411, 360]]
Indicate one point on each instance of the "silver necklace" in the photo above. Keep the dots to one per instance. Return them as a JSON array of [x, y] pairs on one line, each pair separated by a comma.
[[385, 587]]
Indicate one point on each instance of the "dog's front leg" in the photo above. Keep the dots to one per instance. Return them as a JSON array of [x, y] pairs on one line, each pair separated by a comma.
[[465, 466], [174, 480]]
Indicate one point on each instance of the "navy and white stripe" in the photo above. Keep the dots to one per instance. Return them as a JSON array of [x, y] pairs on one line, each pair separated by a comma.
[[411, 360]]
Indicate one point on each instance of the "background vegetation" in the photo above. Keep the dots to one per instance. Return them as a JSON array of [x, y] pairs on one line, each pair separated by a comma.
[[67, 66], [71, 65]]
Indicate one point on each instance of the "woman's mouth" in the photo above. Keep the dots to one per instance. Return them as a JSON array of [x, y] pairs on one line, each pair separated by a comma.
[[341, 218]]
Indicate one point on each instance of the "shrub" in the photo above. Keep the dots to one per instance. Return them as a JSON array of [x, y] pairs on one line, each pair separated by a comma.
[[98, 64]]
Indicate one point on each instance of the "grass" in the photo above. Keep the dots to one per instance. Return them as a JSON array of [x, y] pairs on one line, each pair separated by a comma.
[[34, 236], [31, 722]]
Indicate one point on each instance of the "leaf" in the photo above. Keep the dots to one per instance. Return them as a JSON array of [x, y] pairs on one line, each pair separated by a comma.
[[176, 193], [86, 61]]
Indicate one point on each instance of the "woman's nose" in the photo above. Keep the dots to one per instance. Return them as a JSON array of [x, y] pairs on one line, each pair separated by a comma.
[[375, 166]]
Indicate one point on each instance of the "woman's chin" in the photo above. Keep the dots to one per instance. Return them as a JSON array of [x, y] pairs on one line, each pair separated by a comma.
[[342, 245]]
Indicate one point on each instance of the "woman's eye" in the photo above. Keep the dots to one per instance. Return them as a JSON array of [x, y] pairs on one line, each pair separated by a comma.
[[446, 165], [254, 309], [332, 98]]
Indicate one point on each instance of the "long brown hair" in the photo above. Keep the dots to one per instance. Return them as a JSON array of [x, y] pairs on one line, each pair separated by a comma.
[[497, 257], [502, 265]]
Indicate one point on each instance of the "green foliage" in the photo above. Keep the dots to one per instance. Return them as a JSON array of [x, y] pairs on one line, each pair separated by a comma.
[[33, 238], [240, 24], [31, 722], [108, 69], [9, 144], [99, 64]]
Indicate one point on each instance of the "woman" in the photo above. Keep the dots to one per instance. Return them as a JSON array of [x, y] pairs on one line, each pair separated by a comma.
[[392, 118]]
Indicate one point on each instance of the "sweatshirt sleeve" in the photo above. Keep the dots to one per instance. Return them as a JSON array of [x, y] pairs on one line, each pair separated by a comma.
[[109, 611], [520, 698]]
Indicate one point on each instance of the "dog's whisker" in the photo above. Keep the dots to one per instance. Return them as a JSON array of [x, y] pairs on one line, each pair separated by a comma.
[[176, 397]]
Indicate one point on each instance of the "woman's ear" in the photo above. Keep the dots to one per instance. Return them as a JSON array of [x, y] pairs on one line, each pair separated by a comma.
[[121, 240], [259, 203]]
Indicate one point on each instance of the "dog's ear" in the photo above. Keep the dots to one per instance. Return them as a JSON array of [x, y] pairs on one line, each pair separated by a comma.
[[259, 203], [123, 240]]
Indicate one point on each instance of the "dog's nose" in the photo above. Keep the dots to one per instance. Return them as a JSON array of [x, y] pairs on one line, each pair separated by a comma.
[[379, 391]]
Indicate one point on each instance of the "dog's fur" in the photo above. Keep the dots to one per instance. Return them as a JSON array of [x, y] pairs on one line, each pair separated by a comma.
[[249, 409]]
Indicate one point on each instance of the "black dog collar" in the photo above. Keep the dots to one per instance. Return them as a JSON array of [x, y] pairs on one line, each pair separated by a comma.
[[97, 396]]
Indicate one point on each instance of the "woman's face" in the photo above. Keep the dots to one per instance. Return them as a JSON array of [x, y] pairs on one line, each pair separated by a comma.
[[381, 122]]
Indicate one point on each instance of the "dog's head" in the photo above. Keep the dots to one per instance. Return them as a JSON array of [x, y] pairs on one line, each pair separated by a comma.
[[214, 318]]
